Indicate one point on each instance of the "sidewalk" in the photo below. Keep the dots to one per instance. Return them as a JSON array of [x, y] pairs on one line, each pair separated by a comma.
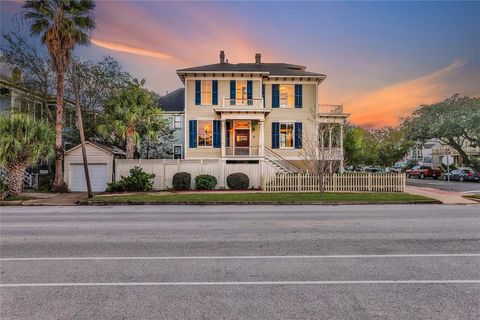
[[48, 199], [446, 197]]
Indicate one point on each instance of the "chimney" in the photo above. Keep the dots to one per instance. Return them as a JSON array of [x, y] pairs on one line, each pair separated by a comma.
[[258, 58], [222, 56]]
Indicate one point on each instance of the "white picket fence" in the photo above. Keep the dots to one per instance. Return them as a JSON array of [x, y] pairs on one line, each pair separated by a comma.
[[165, 169], [375, 182]]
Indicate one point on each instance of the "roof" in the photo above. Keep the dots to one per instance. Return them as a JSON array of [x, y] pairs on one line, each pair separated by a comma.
[[269, 69], [173, 101], [113, 150]]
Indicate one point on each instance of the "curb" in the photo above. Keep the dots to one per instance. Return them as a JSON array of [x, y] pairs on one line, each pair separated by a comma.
[[219, 203]]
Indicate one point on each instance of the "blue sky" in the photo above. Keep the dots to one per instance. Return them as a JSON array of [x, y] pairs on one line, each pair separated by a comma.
[[382, 59]]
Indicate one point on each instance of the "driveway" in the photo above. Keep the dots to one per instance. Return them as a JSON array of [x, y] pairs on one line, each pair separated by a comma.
[[240, 262], [464, 187]]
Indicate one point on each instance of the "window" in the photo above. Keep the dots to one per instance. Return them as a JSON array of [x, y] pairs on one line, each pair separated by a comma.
[[207, 92], [205, 133], [241, 94], [286, 135], [287, 95], [177, 152], [177, 121]]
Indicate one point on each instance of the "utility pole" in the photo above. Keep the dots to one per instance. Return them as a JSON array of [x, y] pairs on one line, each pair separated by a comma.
[[80, 129]]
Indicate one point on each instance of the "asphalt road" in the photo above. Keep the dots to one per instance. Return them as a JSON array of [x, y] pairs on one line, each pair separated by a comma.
[[240, 262], [465, 187]]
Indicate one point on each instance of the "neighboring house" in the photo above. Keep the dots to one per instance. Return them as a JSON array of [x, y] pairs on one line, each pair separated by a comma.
[[15, 95], [249, 112], [173, 105], [432, 152]]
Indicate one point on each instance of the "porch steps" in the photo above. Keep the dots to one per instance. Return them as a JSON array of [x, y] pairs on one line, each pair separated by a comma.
[[279, 163]]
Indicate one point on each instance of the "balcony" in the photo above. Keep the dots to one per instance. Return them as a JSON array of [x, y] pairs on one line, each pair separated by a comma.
[[243, 103], [252, 109], [330, 109], [242, 152]]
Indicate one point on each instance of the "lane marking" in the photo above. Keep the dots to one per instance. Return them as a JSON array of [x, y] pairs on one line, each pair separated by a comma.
[[230, 283], [439, 255]]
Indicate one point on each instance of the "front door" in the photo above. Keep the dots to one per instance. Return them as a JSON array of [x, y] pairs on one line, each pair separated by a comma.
[[242, 142]]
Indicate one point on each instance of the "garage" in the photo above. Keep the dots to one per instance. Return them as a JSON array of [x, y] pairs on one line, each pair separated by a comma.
[[101, 160], [98, 177]]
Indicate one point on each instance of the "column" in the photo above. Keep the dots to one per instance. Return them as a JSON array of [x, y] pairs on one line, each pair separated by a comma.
[[262, 138], [223, 138], [341, 147]]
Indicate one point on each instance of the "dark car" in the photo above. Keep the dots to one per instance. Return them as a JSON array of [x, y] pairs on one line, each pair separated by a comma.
[[423, 172], [462, 175]]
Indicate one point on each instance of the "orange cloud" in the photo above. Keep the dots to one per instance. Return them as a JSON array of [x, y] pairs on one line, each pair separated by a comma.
[[385, 106], [115, 46]]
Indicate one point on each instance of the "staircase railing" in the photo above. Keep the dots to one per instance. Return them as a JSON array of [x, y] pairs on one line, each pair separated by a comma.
[[28, 178], [278, 159]]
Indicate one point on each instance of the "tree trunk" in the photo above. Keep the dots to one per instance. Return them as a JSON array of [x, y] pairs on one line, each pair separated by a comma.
[[15, 179], [130, 145], [458, 148], [82, 135], [59, 184]]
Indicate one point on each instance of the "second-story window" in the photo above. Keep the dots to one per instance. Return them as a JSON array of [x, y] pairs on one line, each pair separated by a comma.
[[287, 95], [241, 96], [205, 133], [207, 92], [177, 121]]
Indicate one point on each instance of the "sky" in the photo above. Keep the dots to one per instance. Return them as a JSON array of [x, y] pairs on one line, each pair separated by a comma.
[[382, 59]]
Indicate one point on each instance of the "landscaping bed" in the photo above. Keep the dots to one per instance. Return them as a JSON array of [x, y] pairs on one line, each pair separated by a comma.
[[260, 198]]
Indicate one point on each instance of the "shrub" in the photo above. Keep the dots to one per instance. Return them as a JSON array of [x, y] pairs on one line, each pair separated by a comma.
[[238, 181], [205, 182], [136, 181], [182, 181]]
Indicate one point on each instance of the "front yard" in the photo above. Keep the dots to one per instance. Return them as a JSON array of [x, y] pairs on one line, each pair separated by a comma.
[[261, 198]]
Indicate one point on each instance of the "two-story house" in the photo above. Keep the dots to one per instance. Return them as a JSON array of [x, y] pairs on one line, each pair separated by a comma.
[[173, 106], [249, 112]]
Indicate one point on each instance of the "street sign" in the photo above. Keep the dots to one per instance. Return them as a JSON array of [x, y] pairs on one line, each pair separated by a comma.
[[447, 160]]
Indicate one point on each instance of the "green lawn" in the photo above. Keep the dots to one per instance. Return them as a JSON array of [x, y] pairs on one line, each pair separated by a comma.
[[198, 198], [18, 198]]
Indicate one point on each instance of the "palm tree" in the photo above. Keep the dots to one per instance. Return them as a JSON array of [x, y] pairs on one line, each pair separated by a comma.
[[129, 114], [23, 142], [62, 24]]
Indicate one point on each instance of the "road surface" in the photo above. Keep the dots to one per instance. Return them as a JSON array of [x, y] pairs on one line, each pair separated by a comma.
[[240, 262], [464, 187]]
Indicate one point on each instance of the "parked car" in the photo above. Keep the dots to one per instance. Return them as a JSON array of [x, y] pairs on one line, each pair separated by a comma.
[[373, 170], [393, 170], [423, 172], [464, 174]]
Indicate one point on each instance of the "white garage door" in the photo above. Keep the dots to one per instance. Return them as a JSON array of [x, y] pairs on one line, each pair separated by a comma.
[[98, 177]]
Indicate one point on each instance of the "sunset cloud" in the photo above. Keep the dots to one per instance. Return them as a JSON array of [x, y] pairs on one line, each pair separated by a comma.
[[385, 106], [131, 50]]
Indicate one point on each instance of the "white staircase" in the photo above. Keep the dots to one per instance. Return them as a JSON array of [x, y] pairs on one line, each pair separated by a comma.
[[280, 164]]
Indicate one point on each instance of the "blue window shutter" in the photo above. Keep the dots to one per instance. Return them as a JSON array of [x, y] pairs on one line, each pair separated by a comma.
[[198, 88], [215, 92], [298, 96], [249, 92], [275, 95], [216, 133], [298, 135], [192, 133], [227, 134], [233, 91], [263, 94], [275, 135]]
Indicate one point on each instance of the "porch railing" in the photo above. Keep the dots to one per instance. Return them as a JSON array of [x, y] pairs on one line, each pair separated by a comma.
[[330, 108], [243, 103], [242, 151]]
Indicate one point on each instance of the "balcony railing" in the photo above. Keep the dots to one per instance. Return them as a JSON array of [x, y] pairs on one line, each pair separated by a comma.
[[242, 151], [243, 103], [330, 108]]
